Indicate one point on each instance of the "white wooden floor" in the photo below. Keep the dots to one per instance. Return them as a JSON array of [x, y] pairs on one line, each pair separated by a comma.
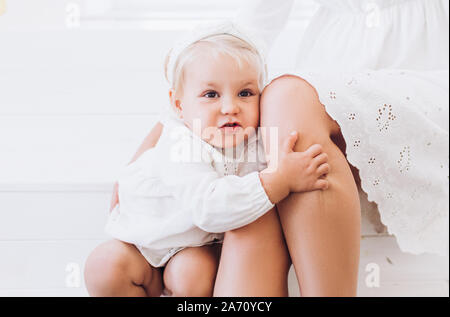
[[45, 237]]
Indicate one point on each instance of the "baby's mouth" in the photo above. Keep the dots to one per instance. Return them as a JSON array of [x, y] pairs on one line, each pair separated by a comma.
[[230, 127]]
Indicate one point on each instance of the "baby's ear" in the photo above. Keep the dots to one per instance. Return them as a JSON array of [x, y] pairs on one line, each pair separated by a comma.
[[175, 103], [171, 95]]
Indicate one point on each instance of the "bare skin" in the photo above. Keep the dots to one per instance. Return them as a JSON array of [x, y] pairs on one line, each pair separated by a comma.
[[232, 97], [321, 228], [118, 269], [254, 261]]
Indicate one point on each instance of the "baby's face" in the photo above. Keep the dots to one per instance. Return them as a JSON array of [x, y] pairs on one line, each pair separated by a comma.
[[223, 97]]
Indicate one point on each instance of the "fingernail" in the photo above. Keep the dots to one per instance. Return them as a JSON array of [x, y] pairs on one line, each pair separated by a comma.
[[293, 132]]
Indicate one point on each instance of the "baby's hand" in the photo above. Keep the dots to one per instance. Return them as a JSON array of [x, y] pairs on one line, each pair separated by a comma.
[[303, 170]]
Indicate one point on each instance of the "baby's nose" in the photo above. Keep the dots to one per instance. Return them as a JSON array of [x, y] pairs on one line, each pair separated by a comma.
[[229, 107]]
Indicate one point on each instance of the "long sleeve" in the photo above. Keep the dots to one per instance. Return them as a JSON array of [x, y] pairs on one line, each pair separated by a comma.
[[168, 182], [217, 204], [230, 202], [265, 17]]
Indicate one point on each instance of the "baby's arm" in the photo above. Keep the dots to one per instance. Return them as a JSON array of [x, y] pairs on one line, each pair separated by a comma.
[[220, 204], [296, 171], [215, 203]]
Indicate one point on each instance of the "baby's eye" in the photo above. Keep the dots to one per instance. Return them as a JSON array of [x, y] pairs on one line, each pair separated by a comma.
[[245, 93], [211, 94]]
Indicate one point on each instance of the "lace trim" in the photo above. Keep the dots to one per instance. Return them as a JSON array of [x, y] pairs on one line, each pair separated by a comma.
[[418, 229], [412, 203]]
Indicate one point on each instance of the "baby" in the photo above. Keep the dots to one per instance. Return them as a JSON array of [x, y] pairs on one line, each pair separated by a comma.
[[208, 173]]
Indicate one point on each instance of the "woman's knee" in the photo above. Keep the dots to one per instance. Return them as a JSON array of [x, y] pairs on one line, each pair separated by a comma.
[[291, 103], [288, 83], [292, 88]]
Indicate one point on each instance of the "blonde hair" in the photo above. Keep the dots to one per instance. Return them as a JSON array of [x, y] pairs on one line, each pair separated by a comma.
[[216, 45]]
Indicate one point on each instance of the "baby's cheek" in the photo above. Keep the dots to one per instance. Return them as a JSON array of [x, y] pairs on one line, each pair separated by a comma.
[[255, 121], [210, 133], [254, 113]]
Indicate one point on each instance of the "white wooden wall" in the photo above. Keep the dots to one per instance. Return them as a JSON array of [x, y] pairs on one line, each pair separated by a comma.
[[75, 103]]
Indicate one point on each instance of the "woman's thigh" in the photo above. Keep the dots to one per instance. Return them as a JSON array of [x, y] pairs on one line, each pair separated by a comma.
[[322, 228], [192, 271], [254, 260]]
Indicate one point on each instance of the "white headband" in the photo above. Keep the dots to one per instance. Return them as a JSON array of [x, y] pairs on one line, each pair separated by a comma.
[[205, 30]]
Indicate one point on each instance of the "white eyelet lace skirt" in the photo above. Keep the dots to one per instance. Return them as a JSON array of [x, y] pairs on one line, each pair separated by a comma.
[[395, 124]]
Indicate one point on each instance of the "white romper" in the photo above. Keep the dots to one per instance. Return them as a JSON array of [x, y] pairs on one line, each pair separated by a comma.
[[185, 193]]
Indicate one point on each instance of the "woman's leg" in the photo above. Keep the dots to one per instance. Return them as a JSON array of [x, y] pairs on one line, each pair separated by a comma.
[[116, 268], [192, 271], [254, 260], [321, 228]]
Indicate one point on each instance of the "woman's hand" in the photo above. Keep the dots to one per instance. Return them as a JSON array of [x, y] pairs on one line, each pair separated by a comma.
[[115, 196]]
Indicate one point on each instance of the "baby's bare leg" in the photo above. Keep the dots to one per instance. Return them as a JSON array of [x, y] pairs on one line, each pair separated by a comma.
[[192, 271], [116, 268]]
